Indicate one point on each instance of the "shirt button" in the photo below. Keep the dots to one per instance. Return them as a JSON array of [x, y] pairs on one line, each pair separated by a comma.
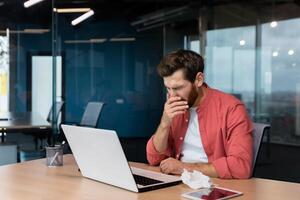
[[181, 138], [177, 156], [186, 120]]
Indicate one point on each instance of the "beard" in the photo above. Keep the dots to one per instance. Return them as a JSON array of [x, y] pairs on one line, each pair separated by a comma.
[[192, 96]]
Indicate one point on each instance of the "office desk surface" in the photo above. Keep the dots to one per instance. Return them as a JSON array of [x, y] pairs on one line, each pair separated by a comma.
[[34, 180]]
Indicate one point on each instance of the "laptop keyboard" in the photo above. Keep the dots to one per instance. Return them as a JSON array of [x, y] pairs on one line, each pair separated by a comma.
[[142, 180]]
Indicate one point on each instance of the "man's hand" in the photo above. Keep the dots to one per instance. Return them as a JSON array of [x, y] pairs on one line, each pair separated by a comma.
[[171, 166], [173, 106]]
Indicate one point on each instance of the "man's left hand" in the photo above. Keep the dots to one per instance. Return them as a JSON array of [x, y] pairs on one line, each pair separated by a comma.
[[171, 166]]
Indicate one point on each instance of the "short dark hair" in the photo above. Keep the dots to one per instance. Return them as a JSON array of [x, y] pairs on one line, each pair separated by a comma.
[[190, 62]]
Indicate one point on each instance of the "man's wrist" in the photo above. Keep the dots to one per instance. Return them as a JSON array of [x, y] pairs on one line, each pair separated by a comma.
[[164, 125], [193, 166]]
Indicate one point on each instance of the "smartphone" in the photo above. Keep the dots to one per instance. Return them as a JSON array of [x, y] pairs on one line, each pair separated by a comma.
[[215, 193]]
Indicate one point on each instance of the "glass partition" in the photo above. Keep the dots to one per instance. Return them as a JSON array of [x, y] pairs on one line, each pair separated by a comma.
[[280, 79], [112, 56], [25, 34], [230, 62], [110, 61]]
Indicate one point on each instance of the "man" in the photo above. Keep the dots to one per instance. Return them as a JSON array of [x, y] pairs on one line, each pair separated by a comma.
[[201, 128]]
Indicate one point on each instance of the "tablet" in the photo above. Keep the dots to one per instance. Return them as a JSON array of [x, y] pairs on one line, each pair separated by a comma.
[[215, 193]]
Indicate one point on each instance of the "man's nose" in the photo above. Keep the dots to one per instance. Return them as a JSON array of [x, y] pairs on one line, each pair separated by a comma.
[[173, 93]]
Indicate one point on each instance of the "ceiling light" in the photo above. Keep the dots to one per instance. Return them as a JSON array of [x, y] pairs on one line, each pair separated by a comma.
[[275, 53], [242, 42], [273, 24], [29, 3], [82, 18], [95, 40], [122, 39], [291, 52], [27, 31], [71, 10], [36, 30]]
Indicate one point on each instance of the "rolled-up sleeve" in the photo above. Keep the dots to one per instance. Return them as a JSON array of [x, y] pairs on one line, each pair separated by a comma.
[[239, 146], [153, 156]]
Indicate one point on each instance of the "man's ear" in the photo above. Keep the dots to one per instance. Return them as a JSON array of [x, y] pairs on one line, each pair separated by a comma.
[[199, 79]]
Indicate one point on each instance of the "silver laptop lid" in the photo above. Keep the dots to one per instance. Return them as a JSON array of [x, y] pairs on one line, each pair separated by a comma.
[[100, 156]]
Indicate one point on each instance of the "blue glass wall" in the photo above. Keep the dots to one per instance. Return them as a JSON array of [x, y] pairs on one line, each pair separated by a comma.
[[121, 74]]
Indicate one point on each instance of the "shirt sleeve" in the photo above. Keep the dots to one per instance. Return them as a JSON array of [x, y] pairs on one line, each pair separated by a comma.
[[153, 156], [239, 146]]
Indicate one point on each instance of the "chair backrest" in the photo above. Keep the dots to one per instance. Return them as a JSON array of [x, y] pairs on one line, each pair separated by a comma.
[[58, 108], [259, 130], [91, 114]]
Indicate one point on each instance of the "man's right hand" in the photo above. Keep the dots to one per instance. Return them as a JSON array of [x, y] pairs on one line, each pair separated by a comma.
[[173, 106]]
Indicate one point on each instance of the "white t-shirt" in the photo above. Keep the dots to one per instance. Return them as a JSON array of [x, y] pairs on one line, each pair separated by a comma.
[[192, 148]]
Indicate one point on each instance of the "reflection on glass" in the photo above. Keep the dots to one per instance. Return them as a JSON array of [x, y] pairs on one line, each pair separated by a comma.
[[4, 73], [281, 79], [230, 62]]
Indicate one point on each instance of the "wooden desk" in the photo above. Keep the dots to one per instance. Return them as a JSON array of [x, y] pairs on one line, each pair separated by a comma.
[[34, 180]]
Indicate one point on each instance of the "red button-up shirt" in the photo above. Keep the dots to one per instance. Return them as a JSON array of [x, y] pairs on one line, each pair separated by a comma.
[[226, 133]]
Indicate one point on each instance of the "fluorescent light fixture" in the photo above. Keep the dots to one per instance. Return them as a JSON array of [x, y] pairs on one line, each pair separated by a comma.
[[27, 31], [122, 39], [37, 31], [71, 10], [95, 40], [273, 24], [29, 3], [291, 52], [275, 53], [98, 40], [242, 42], [82, 17]]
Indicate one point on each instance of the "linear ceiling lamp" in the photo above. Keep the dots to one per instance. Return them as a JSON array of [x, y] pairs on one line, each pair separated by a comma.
[[29, 3], [160, 18], [161, 14], [94, 40], [71, 10], [122, 39], [82, 17], [27, 31]]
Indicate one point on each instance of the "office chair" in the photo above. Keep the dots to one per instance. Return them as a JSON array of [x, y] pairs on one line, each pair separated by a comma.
[[258, 133], [58, 108], [91, 114]]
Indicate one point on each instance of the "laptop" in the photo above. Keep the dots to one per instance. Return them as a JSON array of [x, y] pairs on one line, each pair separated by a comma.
[[99, 155]]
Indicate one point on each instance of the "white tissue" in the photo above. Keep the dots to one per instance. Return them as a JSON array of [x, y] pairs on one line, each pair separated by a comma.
[[196, 179]]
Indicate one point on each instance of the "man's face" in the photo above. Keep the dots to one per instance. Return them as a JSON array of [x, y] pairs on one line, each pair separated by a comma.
[[177, 85]]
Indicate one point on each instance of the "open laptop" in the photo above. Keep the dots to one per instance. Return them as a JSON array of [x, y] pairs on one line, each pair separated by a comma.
[[100, 157]]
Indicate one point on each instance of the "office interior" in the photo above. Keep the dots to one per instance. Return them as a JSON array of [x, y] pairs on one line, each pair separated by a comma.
[[250, 49]]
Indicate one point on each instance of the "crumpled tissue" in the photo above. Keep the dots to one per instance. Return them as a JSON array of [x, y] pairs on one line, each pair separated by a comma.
[[195, 179]]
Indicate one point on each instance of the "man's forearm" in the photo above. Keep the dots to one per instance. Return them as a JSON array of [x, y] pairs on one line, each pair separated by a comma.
[[206, 168], [160, 138]]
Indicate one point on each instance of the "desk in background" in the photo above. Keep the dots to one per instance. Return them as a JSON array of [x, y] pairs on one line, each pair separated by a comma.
[[34, 180], [27, 122]]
